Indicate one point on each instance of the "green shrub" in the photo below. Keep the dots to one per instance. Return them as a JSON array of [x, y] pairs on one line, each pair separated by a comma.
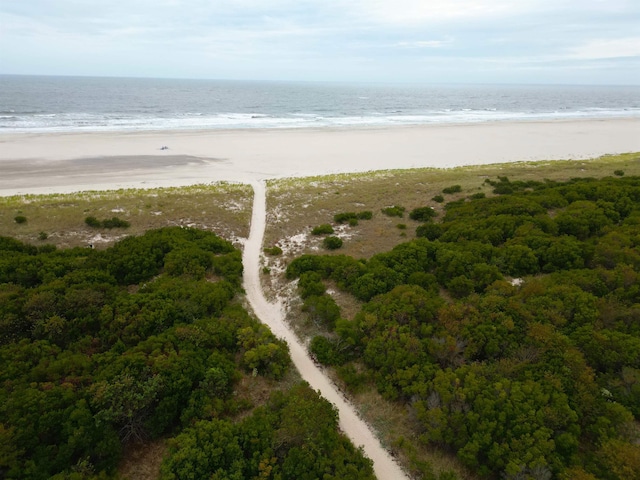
[[324, 229], [401, 226], [93, 222], [115, 222], [310, 284], [430, 231], [477, 196], [619, 173], [395, 211], [43, 236], [332, 243], [273, 251], [325, 351], [345, 217], [20, 219], [422, 214], [322, 309], [503, 189], [365, 215], [452, 189], [438, 199], [353, 222]]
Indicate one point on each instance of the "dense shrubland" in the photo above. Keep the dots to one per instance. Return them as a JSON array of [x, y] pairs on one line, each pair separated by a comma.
[[144, 340], [510, 331]]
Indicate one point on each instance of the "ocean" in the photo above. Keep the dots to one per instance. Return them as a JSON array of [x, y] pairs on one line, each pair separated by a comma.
[[68, 104]]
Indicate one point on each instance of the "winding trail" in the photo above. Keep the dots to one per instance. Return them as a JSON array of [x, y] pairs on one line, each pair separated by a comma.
[[272, 315]]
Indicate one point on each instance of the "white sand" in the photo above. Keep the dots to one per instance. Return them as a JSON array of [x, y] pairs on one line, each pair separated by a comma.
[[272, 314], [41, 163]]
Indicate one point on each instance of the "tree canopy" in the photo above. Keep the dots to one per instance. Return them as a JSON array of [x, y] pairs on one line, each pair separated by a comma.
[[509, 329], [102, 349]]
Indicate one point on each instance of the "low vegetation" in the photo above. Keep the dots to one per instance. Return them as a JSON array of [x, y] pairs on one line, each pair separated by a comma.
[[103, 350], [222, 207], [510, 334], [394, 211], [324, 229], [113, 222], [502, 331], [332, 243]]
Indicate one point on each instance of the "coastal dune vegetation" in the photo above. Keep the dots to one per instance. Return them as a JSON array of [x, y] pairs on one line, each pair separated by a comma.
[[145, 341], [493, 335], [507, 330]]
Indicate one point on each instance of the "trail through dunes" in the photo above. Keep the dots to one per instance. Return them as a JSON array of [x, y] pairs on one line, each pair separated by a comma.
[[272, 315]]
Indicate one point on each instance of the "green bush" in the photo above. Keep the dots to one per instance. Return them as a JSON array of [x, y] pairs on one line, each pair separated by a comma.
[[20, 219], [115, 222], [324, 229], [619, 173], [477, 196], [352, 217], [401, 226], [93, 222], [273, 251], [394, 211], [438, 199], [310, 284], [422, 214], [503, 189], [452, 189], [325, 351], [322, 310], [43, 236], [345, 217], [332, 243]]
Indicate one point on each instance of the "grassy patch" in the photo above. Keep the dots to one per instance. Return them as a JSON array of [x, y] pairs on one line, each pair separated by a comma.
[[59, 219], [302, 203]]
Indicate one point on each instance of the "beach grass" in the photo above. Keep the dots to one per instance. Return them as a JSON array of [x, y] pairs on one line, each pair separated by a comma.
[[59, 219], [296, 205]]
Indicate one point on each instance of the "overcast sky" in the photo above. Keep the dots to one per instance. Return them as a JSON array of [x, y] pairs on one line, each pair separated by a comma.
[[426, 41]]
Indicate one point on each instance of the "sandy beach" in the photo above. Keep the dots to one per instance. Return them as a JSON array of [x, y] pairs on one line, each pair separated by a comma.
[[65, 162]]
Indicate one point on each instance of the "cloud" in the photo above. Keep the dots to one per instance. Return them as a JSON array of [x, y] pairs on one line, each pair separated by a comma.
[[370, 39], [424, 43], [607, 48], [426, 12]]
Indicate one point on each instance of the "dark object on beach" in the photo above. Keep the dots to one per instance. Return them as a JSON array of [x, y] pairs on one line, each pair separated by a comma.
[[164, 147]]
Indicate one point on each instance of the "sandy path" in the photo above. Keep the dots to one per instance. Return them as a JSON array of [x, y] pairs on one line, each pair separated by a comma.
[[272, 315]]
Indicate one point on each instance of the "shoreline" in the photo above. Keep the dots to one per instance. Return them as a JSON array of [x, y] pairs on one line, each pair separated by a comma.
[[67, 162]]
